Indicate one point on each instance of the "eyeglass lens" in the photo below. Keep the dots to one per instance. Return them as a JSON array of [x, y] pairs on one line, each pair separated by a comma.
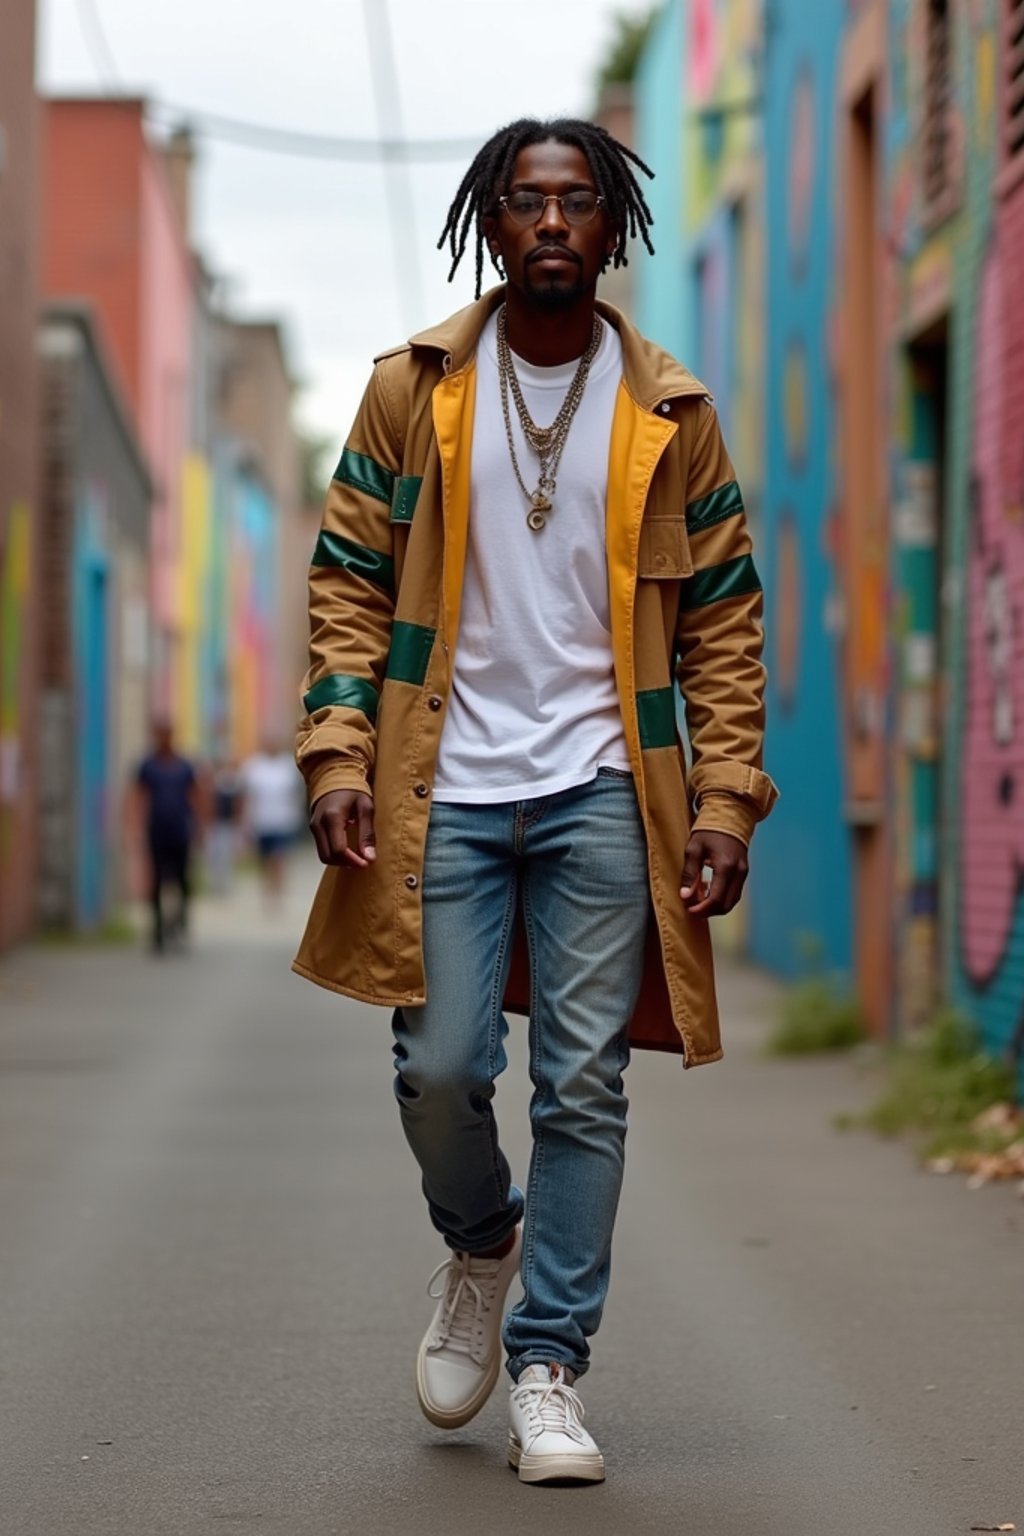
[[528, 207]]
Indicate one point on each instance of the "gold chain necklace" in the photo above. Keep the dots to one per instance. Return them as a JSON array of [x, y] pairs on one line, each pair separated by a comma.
[[546, 442]]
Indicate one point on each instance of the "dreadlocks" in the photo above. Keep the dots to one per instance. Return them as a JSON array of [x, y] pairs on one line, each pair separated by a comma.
[[490, 173]]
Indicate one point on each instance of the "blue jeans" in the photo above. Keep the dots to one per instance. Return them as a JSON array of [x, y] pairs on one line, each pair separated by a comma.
[[577, 864]]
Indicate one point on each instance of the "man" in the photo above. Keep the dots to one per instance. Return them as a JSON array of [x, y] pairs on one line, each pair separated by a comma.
[[270, 810], [533, 522], [166, 784]]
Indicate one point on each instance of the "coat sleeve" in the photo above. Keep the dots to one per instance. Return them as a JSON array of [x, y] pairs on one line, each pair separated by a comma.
[[351, 605], [719, 640]]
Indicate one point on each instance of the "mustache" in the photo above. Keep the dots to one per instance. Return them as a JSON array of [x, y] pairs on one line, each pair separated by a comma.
[[552, 250]]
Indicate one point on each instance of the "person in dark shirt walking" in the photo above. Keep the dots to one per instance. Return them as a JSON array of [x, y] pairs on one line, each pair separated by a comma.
[[168, 788]]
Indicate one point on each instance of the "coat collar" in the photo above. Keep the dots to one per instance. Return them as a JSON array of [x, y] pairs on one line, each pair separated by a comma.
[[652, 375]]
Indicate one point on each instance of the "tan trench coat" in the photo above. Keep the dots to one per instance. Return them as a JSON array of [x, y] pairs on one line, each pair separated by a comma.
[[385, 589]]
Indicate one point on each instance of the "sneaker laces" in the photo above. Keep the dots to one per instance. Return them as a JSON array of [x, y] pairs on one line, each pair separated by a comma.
[[467, 1296], [551, 1405]]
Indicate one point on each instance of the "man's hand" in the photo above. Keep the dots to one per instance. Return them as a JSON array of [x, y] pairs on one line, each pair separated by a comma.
[[727, 858], [332, 816]]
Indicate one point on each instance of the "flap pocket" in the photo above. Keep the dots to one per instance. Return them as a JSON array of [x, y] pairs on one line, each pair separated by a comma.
[[664, 553]]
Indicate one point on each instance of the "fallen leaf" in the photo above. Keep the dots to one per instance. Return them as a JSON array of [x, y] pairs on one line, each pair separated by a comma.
[[1007, 1527]]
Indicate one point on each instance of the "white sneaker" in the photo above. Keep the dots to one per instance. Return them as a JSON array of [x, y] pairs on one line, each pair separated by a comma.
[[460, 1356], [546, 1438]]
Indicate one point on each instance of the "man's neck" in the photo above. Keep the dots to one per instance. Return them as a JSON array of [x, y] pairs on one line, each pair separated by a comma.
[[548, 337]]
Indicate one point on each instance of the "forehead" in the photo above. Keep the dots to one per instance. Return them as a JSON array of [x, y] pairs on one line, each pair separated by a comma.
[[552, 165]]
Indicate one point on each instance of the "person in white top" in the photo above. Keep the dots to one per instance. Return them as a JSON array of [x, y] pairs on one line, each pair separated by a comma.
[[271, 789], [534, 816]]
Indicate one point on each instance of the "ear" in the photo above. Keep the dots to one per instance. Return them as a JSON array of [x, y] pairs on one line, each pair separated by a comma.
[[611, 241], [489, 225]]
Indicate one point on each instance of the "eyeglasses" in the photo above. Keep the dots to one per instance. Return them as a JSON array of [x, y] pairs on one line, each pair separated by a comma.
[[528, 207]]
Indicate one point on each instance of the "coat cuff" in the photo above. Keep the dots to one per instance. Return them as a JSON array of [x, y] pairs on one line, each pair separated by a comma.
[[323, 778], [725, 812]]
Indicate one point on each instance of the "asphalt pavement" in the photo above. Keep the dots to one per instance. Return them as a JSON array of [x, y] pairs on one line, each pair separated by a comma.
[[214, 1257]]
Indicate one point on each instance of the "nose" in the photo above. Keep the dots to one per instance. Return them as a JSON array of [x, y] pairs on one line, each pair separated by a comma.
[[552, 220]]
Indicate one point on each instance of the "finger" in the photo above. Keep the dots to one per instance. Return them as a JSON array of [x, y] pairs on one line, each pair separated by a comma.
[[692, 865], [335, 827], [364, 828], [711, 903]]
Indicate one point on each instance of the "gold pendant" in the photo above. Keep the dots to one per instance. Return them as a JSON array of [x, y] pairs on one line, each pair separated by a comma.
[[535, 518]]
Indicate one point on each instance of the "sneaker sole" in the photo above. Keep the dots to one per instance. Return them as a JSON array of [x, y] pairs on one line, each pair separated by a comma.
[[455, 1418], [552, 1469]]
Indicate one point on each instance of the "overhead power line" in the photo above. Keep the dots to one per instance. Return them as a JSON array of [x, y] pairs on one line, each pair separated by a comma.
[[312, 146], [267, 137], [398, 182]]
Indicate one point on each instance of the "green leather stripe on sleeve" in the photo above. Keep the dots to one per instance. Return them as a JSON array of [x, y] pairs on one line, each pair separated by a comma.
[[403, 502], [656, 717], [411, 645], [334, 549], [733, 578], [714, 508], [364, 474], [348, 692]]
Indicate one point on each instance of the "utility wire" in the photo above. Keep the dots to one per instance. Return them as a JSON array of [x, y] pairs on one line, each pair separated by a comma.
[[310, 146], [265, 136], [398, 182], [97, 43]]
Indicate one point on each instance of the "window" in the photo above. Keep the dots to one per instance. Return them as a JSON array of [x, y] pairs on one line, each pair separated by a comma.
[[1013, 78], [938, 99]]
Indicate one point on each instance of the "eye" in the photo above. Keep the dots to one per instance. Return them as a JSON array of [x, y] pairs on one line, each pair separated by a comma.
[[579, 203], [525, 203]]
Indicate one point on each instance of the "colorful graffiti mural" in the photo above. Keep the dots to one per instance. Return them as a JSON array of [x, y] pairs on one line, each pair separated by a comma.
[[991, 861]]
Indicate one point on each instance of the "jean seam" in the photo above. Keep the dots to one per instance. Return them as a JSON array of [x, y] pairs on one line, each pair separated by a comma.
[[492, 1037], [536, 1066]]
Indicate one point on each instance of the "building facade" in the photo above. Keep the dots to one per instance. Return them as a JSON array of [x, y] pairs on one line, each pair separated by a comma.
[[95, 498], [113, 235], [866, 356], [19, 165]]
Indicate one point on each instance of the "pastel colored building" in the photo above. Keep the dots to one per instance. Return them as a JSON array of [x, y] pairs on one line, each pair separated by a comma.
[[888, 137], [95, 495], [113, 235]]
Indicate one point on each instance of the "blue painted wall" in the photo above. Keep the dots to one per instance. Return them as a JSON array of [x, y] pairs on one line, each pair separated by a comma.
[[661, 289], [801, 882]]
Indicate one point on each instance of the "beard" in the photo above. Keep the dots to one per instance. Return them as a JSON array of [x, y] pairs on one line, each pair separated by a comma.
[[553, 293]]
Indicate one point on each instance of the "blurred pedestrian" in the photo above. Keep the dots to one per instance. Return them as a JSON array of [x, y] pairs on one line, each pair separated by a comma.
[[271, 791], [167, 786], [533, 528], [226, 797]]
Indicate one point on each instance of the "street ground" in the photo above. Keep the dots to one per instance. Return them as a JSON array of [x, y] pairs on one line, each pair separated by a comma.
[[213, 1262]]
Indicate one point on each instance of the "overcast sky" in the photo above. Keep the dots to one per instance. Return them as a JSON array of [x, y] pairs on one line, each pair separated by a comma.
[[309, 241]]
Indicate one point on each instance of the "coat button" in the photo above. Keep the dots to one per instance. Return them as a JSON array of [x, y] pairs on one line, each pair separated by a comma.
[[665, 407], [435, 701], [660, 560], [421, 790], [411, 881]]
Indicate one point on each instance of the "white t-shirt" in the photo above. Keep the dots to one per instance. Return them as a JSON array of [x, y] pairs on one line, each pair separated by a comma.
[[533, 708], [271, 784]]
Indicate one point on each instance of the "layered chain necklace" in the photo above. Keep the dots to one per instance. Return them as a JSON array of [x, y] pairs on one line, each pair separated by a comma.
[[546, 442]]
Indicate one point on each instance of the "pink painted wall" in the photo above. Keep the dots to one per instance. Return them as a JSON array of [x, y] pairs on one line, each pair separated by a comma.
[[165, 308]]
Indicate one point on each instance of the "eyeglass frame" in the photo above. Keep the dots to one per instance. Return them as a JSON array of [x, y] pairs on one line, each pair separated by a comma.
[[553, 197]]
